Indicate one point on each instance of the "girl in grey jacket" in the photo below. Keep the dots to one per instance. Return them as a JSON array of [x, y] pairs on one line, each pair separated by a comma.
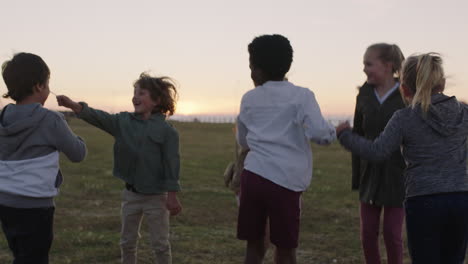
[[432, 134]]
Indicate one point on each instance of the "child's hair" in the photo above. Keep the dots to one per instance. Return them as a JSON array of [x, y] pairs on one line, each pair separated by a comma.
[[162, 90], [272, 54], [389, 53], [423, 74], [22, 73]]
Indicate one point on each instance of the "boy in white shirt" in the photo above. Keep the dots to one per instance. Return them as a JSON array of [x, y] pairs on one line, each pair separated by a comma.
[[277, 121]]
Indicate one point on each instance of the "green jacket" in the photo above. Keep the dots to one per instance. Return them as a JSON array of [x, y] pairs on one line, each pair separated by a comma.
[[146, 152], [379, 183]]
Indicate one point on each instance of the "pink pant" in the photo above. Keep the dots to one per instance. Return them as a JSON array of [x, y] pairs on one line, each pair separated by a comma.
[[392, 232]]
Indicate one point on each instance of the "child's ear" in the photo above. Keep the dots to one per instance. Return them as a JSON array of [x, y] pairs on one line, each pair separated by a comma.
[[442, 85], [257, 76], [405, 91], [38, 87], [157, 101], [406, 94], [389, 66]]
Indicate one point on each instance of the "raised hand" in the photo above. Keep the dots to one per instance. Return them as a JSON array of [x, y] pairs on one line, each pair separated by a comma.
[[342, 126], [64, 101]]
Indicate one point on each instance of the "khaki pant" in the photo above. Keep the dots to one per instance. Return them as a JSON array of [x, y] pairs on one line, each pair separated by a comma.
[[153, 208]]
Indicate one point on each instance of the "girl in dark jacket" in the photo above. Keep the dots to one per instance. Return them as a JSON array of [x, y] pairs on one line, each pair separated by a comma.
[[380, 184]]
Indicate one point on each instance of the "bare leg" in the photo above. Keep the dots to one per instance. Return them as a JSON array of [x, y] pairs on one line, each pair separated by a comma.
[[255, 252], [285, 256]]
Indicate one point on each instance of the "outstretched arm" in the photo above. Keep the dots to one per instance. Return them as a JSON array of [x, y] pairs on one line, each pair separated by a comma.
[[317, 129], [381, 148], [65, 101], [97, 118]]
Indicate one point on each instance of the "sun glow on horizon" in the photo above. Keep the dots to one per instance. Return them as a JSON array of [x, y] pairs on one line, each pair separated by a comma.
[[187, 108]]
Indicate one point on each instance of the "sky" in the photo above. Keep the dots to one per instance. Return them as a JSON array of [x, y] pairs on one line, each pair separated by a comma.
[[96, 49]]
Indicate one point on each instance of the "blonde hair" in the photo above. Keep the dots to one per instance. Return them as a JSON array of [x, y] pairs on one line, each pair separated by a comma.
[[389, 53], [423, 75]]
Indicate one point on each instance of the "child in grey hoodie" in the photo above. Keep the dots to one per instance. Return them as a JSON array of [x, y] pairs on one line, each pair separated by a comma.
[[31, 138], [432, 134]]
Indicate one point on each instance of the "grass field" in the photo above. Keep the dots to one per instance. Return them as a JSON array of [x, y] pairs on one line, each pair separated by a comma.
[[87, 220]]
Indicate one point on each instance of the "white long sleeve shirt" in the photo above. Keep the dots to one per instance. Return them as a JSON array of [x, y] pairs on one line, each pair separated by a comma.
[[277, 121]]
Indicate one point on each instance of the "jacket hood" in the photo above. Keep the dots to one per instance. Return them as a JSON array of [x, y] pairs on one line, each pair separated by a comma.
[[17, 122], [445, 116]]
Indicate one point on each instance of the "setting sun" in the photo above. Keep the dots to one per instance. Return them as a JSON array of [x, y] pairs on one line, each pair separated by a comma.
[[187, 108]]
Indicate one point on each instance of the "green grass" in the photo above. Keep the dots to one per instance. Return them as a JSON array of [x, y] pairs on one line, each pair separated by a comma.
[[87, 220]]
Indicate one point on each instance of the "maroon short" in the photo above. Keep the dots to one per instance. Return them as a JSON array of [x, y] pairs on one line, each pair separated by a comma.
[[261, 199]]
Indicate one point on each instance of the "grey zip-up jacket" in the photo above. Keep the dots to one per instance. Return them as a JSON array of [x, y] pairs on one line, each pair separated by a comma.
[[31, 137], [434, 146]]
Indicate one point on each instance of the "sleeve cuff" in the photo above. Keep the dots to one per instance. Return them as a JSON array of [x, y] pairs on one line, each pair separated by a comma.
[[85, 109], [343, 132]]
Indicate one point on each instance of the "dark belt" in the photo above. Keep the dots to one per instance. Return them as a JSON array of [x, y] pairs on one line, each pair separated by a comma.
[[131, 188]]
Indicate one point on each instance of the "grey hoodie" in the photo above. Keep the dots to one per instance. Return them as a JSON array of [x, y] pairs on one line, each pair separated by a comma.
[[27, 133], [434, 146]]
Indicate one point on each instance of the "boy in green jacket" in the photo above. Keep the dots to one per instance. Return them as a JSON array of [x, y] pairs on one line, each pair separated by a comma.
[[146, 158]]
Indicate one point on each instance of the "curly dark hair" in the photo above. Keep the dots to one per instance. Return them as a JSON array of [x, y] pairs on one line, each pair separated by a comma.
[[162, 89], [22, 73], [272, 54]]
